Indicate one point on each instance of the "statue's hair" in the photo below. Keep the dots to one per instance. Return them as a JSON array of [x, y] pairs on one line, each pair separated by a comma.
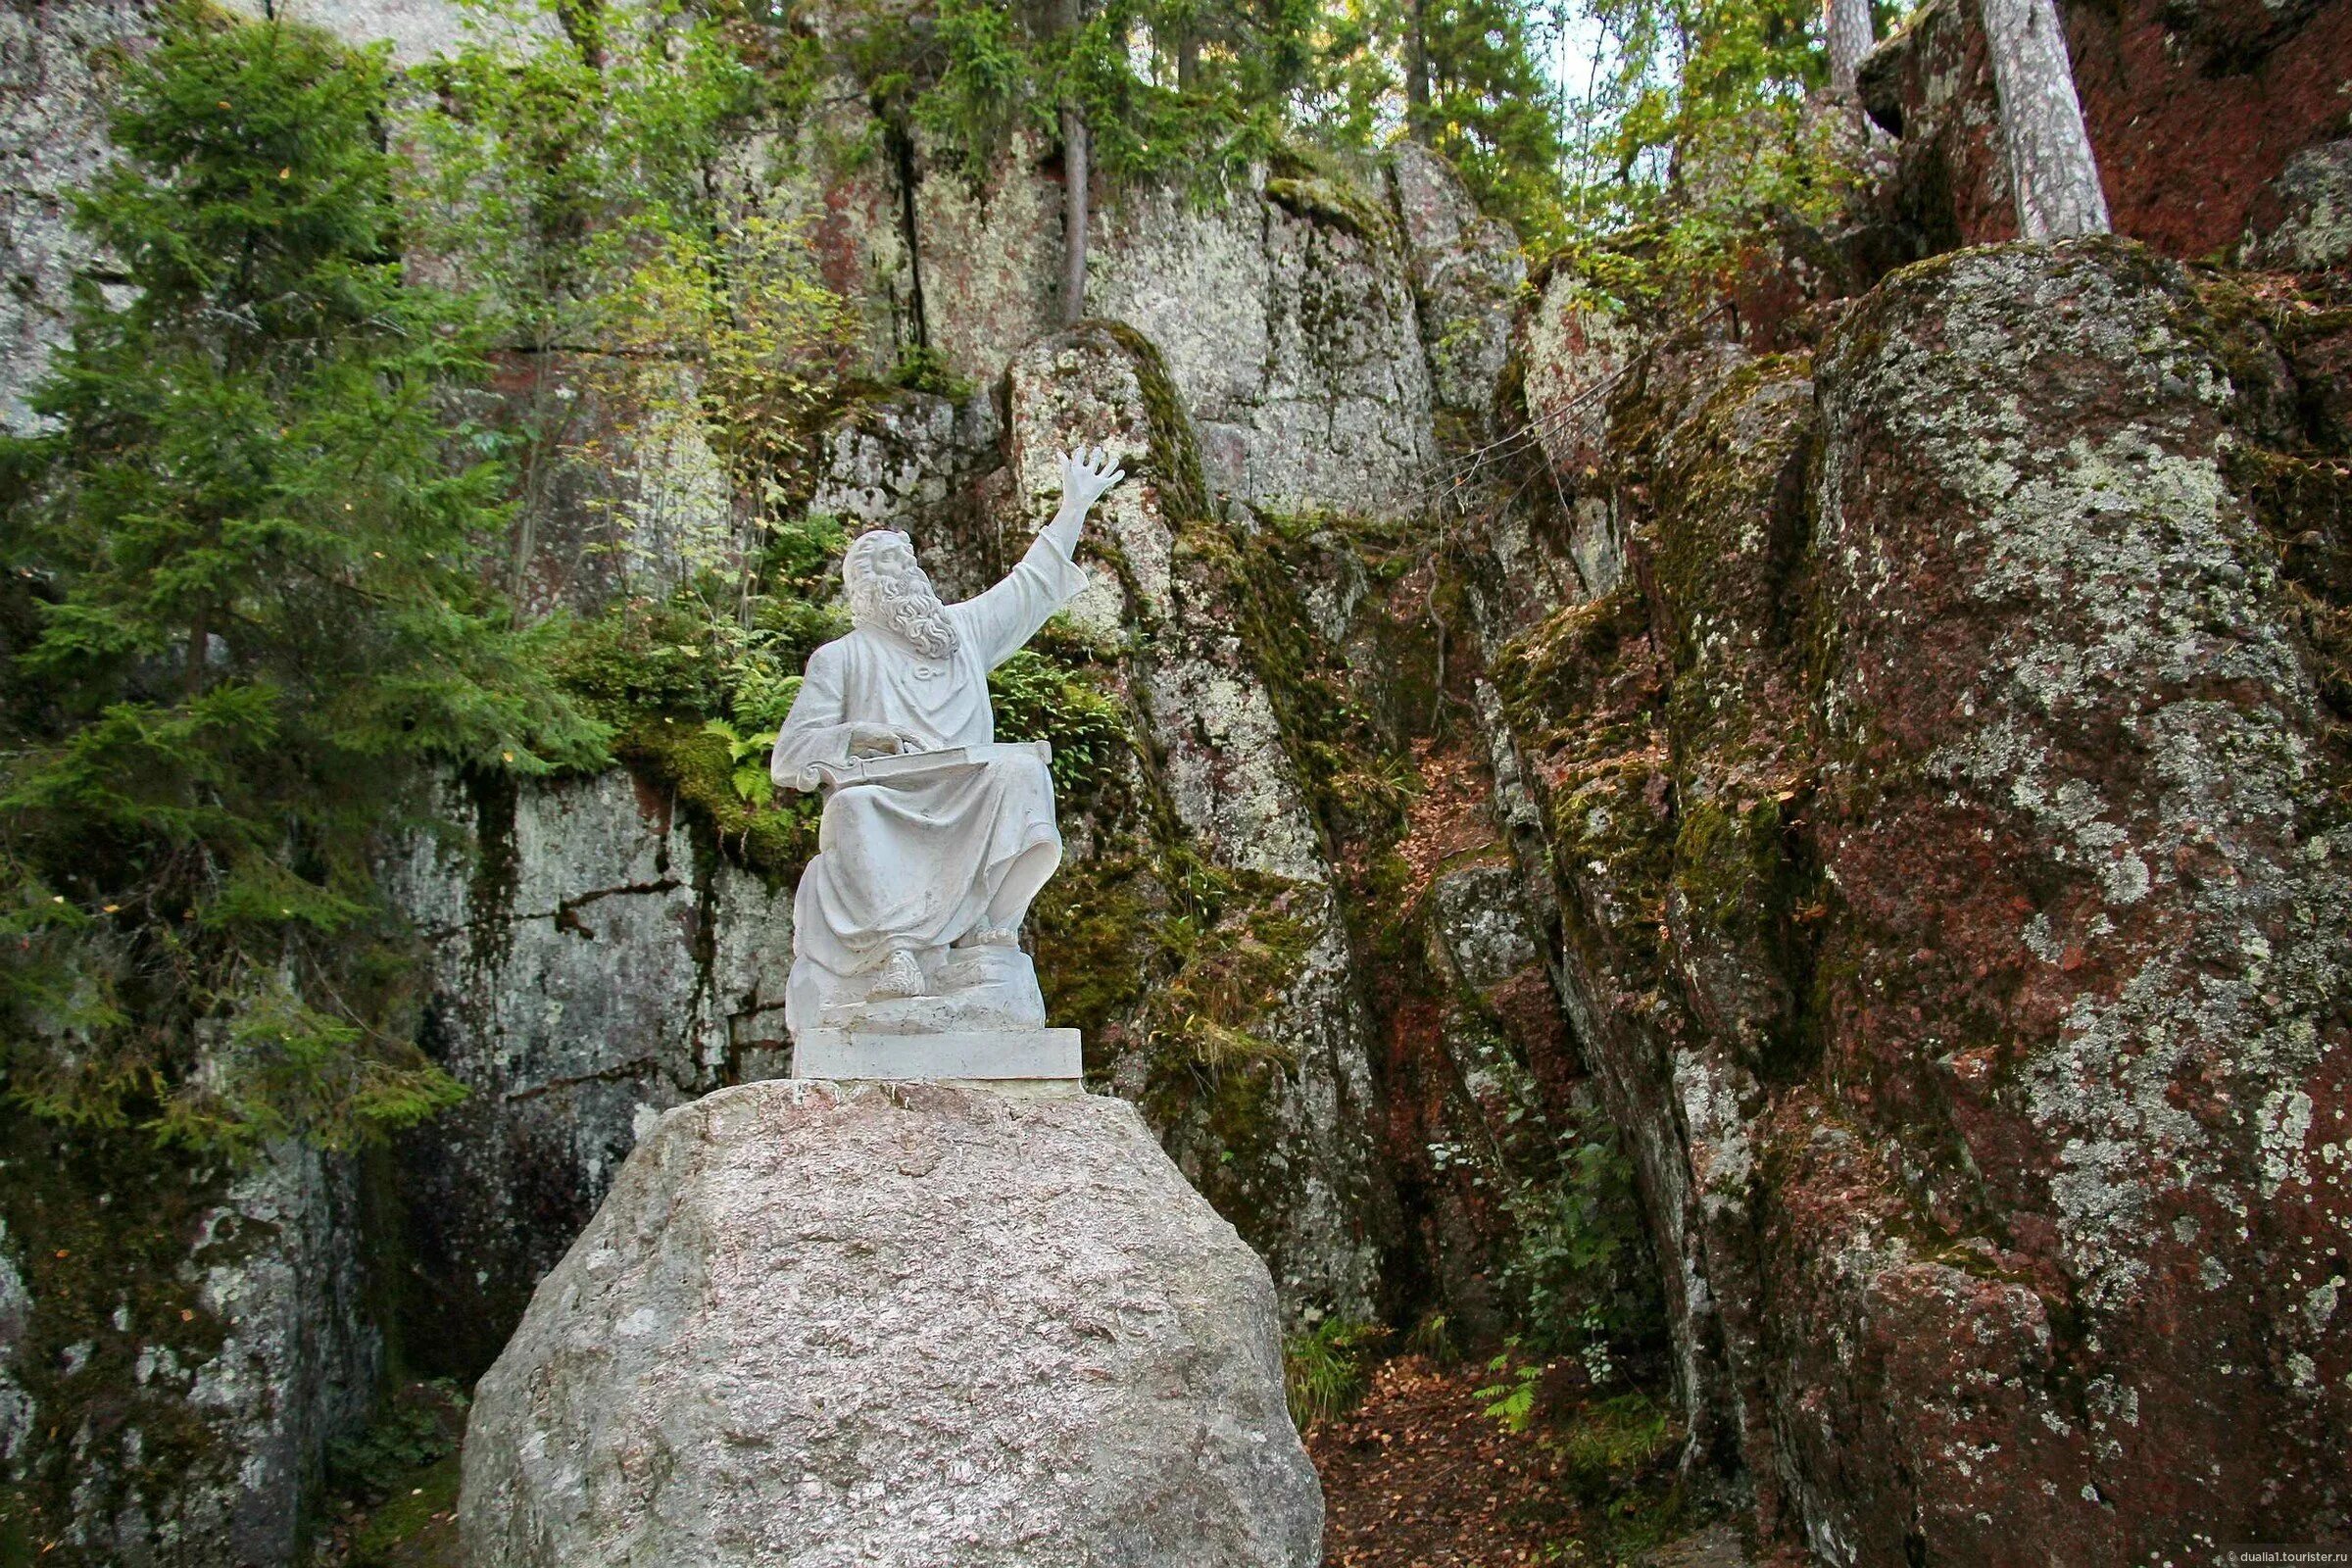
[[900, 601]]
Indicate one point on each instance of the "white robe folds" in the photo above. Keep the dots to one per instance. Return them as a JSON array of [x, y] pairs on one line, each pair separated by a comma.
[[920, 860]]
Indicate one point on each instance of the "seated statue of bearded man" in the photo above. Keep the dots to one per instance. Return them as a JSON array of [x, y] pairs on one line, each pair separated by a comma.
[[934, 838]]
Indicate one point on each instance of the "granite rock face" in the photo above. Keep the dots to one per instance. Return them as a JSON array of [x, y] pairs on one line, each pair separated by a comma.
[[2309, 212], [1466, 269], [54, 96], [2081, 801], [588, 968], [1279, 1134], [1945, 823], [909, 1325], [178, 1343]]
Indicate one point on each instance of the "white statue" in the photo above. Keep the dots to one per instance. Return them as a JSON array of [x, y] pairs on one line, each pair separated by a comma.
[[935, 838]]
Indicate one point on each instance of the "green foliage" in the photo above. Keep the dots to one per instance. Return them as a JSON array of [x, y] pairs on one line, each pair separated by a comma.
[[923, 369], [570, 171], [416, 1429], [1433, 1337], [416, 1528], [1040, 698], [1325, 1367], [400, 1476], [249, 544], [1576, 1271], [1693, 142], [1491, 112], [1511, 1399], [698, 683], [1614, 1443], [1170, 89]]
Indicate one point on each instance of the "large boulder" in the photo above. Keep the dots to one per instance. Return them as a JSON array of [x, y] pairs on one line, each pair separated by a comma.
[[870, 1325], [1946, 818]]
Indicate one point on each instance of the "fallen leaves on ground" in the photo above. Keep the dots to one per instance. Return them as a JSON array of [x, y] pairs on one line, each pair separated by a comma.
[[1418, 1476]]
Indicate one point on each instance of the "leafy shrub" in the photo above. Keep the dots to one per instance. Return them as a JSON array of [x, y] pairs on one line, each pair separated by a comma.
[[1036, 696], [1324, 1368], [1577, 1269]]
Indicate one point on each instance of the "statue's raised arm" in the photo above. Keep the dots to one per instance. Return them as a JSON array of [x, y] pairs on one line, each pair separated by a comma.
[[1003, 618], [935, 838]]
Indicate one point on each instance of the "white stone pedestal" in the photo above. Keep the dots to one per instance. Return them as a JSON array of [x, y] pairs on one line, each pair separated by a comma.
[[1021, 1061]]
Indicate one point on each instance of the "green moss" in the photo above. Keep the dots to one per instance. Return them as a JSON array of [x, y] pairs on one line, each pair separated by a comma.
[[1327, 201], [415, 1527], [1727, 863], [1175, 455], [1094, 949], [700, 769], [109, 1233]]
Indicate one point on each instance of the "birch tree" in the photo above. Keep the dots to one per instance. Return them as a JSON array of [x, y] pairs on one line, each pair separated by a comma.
[[2053, 177]]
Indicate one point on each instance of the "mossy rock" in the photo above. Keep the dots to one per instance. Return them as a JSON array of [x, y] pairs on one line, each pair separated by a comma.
[[416, 1526]]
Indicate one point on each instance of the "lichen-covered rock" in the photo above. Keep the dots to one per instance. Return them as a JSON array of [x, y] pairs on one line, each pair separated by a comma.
[[1466, 272], [1948, 825], [54, 96], [2087, 982], [588, 968], [2312, 224], [1270, 1114], [1288, 329], [894, 1325], [178, 1343]]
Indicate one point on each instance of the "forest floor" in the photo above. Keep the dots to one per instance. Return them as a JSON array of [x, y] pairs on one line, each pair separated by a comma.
[[1420, 1474]]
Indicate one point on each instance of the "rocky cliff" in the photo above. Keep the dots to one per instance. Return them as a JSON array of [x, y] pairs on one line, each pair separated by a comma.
[[1796, 835], [1943, 810]]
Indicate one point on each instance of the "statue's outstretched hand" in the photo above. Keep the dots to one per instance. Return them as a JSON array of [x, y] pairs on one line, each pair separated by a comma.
[[1085, 475]]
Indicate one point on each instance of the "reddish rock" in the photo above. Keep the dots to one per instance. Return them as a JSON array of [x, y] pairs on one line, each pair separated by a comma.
[[1948, 823], [2086, 986], [2194, 111]]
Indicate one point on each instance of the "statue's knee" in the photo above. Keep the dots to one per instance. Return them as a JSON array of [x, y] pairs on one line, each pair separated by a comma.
[[1029, 771]]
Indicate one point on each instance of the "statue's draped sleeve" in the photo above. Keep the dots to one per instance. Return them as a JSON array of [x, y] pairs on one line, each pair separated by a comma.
[[997, 623], [815, 730]]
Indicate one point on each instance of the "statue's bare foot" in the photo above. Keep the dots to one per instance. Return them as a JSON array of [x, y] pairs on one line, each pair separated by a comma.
[[900, 976], [991, 936]]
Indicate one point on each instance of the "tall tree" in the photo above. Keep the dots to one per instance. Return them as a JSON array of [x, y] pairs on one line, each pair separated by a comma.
[[2053, 175], [253, 536], [1848, 34], [1077, 185]]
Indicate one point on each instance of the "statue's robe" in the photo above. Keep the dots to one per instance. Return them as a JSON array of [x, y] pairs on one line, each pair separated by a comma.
[[920, 860]]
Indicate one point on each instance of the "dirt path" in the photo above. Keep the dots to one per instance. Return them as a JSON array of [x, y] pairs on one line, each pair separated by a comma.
[[1417, 1477]]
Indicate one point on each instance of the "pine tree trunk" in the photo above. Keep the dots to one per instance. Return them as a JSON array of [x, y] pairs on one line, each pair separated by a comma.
[[1076, 190], [1416, 76], [2052, 174], [1073, 215], [1848, 29]]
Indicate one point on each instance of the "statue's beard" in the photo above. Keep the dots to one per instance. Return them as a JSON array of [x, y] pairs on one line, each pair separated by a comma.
[[911, 612]]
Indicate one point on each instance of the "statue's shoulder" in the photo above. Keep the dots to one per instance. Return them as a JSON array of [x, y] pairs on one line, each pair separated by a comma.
[[830, 656], [855, 649]]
